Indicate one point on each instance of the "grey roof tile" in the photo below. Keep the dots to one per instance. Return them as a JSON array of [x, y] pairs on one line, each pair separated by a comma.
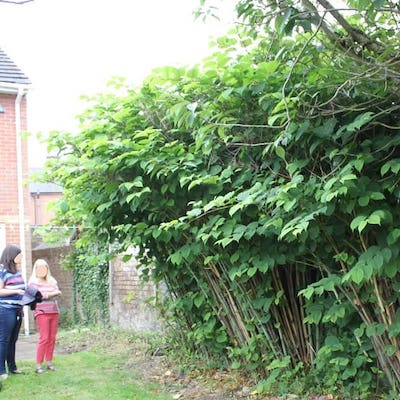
[[44, 188], [10, 72], [40, 187]]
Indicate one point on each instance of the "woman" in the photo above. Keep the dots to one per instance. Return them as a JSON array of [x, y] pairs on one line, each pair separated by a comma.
[[46, 314], [12, 288]]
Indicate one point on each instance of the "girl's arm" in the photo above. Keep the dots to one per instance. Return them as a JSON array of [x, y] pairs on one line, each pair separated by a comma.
[[52, 292], [55, 293]]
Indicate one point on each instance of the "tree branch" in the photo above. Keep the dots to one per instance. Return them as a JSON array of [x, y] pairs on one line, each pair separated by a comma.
[[356, 35]]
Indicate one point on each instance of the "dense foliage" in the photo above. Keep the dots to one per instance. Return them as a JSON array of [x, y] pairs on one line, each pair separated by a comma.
[[262, 187]]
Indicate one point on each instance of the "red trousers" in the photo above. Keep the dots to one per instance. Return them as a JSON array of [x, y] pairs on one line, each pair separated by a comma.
[[47, 324]]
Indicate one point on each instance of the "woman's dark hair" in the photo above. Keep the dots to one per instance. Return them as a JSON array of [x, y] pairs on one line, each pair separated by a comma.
[[7, 258]]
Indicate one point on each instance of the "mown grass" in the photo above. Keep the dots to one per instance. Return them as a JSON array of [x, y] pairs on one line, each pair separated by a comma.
[[96, 373]]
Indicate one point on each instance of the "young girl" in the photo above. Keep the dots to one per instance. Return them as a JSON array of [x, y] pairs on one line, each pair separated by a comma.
[[46, 314]]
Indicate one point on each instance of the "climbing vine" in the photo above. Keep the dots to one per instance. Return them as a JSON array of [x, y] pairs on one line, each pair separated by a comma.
[[90, 286]]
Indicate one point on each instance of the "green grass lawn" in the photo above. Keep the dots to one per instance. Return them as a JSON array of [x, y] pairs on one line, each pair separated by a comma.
[[84, 375]]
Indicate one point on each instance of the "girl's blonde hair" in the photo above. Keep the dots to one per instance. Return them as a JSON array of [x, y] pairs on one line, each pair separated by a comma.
[[49, 278]]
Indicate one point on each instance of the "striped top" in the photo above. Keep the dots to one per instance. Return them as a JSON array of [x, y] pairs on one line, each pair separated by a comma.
[[47, 305], [13, 282]]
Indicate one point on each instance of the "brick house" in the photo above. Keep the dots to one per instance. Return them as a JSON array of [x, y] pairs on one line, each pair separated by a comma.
[[41, 196], [23, 206], [14, 195]]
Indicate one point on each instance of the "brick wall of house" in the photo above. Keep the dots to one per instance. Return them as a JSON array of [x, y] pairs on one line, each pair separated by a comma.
[[39, 207], [130, 300], [9, 198], [9, 209]]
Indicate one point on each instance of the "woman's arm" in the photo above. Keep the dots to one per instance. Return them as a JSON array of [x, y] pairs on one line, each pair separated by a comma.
[[9, 292]]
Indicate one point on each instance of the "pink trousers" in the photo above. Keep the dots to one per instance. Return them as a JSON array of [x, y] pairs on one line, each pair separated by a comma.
[[47, 324]]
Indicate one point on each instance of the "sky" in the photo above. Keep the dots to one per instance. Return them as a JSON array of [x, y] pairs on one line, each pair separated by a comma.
[[70, 48]]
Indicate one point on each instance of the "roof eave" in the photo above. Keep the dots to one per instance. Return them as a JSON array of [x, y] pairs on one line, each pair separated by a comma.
[[13, 88]]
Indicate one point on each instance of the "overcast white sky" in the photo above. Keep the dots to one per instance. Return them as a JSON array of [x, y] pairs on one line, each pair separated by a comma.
[[73, 47]]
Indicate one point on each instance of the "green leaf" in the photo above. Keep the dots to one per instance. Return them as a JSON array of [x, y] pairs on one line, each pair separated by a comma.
[[377, 196], [221, 337], [356, 274], [374, 218], [376, 261], [176, 258], [390, 269], [348, 177], [360, 121], [224, 242], [137, 183], [394, 328], [363, 201], [278, 364], [234, 257], [392, 165], [104, 206], [198, 300], [326, 129], [236, 365], [355, 223], [393, 236], [390, 350], [234, 209], [349, 372], [333, 342], [195, 212], [378, 3], [265, 69], [280, 152], [358, 332], [282, 20], [375, 329], [358, 165], [307, 292]]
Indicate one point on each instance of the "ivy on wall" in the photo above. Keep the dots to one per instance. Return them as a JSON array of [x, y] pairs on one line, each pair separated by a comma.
[[90, 286]]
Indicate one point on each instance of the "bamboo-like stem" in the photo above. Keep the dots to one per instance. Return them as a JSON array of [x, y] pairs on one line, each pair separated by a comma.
[[380, 302], [269, 334], [225, 317], [231, 307], [284, 319], [306, 333]]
